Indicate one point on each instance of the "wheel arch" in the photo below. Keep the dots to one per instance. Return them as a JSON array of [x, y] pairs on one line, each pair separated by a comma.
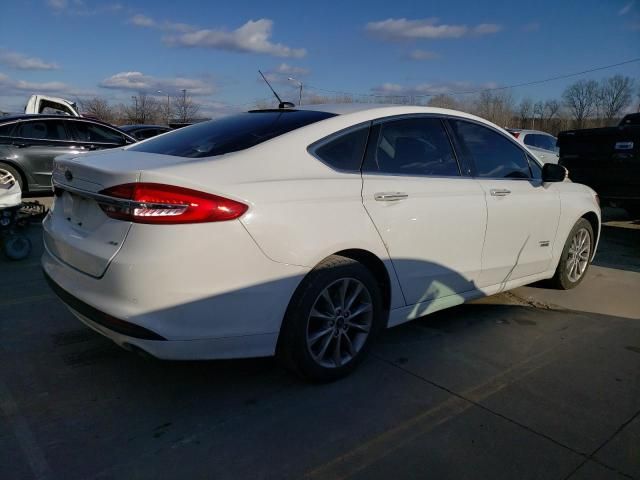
[[594, 220]]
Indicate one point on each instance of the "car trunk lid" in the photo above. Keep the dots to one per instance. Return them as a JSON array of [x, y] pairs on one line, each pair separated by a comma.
[[77, 231]]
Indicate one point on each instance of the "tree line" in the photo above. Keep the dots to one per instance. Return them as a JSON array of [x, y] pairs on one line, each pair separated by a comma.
[[142, 109], [583, 104]]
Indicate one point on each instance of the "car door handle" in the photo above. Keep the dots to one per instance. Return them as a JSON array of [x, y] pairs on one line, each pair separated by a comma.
[[389, 196], [500, 192]]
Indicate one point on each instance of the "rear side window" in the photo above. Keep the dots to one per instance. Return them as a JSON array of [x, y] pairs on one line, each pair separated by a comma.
[[413, 146], [494, 155], [5, 130], [230, 134], [344, 151], [90, 132], [531, 139], [42, 130]]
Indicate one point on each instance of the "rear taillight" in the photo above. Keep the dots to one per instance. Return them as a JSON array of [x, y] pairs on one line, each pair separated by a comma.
[[167, 204]]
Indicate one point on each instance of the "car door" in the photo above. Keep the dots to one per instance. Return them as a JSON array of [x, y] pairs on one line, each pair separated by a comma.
[[523, 213], [430, 216], [37, 142], [95, 136]]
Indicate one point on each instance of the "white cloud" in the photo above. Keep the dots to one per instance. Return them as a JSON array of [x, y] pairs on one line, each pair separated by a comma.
[[57, 4], [627, 8], [487, 28], [287, 69], [23, 62], [81, 7], [139, 82], [142, 21], [421, 55], [426, 28], [429, 89], [252, 37], [10, 86]]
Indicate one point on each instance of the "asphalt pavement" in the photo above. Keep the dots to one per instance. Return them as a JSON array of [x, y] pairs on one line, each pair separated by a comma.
[[533, 383]]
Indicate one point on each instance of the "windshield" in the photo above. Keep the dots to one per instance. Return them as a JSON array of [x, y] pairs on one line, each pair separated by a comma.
[[230, 134]]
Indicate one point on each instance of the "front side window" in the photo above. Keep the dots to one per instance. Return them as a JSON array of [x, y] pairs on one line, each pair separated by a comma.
[[91, 132], [42, 130], [413, 146], [494, 155], [344, 152], [230, 134]]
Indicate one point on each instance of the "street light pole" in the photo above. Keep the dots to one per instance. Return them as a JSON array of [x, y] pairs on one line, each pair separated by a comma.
[[300, 87]]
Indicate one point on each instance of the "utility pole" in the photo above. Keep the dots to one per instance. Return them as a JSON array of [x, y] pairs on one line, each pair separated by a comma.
[[136, 99], [291, 79]]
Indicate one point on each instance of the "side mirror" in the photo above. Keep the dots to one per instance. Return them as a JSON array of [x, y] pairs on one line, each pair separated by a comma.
[[552, 172]]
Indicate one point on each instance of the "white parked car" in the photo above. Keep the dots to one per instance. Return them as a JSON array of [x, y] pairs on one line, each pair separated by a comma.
[[301, 233], [541, 144]]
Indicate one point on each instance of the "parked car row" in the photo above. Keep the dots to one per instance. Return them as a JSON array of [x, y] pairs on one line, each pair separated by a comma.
[[29, 143], [541, 144]]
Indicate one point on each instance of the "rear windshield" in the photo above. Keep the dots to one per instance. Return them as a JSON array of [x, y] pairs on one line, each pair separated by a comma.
[[229, 134]]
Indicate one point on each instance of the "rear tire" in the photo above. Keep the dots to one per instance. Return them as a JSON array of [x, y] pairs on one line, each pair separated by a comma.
[[576, 257], [331, 320], [16, 174], [17, 247]]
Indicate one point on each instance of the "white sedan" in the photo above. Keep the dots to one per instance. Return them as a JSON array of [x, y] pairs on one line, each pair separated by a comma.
[[302, 233]]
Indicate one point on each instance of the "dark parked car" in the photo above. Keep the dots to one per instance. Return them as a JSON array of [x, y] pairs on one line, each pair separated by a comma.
[[606, 159], [142, 132], [29, 143]]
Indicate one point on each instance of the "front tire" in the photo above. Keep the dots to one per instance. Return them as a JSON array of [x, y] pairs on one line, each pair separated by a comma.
[[331, 320], [576, 256], [17, 247]]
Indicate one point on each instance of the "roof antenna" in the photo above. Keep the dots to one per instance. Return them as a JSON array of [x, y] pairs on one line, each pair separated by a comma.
[[281, 104]]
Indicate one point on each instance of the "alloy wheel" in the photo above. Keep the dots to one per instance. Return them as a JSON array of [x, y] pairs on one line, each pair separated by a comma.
[[579, 253], [339, 323]]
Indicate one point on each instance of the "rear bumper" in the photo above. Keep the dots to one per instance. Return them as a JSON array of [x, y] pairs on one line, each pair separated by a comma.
[[247, 346], [185, 294]]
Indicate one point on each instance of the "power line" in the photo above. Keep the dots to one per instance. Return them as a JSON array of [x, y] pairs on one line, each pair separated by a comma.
[[468, 92]]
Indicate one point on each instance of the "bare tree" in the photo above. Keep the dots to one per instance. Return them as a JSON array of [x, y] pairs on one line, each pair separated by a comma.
[[98, 108], [185, 108], [142, 109], [580, 98], [495, 107], [551, 109], [524, 111], [615, 95], [538, 112], [443, 101]]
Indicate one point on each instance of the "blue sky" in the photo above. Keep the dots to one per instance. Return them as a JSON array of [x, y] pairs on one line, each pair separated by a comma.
[[114, 49]]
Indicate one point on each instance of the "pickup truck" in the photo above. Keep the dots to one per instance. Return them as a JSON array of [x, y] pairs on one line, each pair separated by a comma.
[[607, 160], [45, 104]]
